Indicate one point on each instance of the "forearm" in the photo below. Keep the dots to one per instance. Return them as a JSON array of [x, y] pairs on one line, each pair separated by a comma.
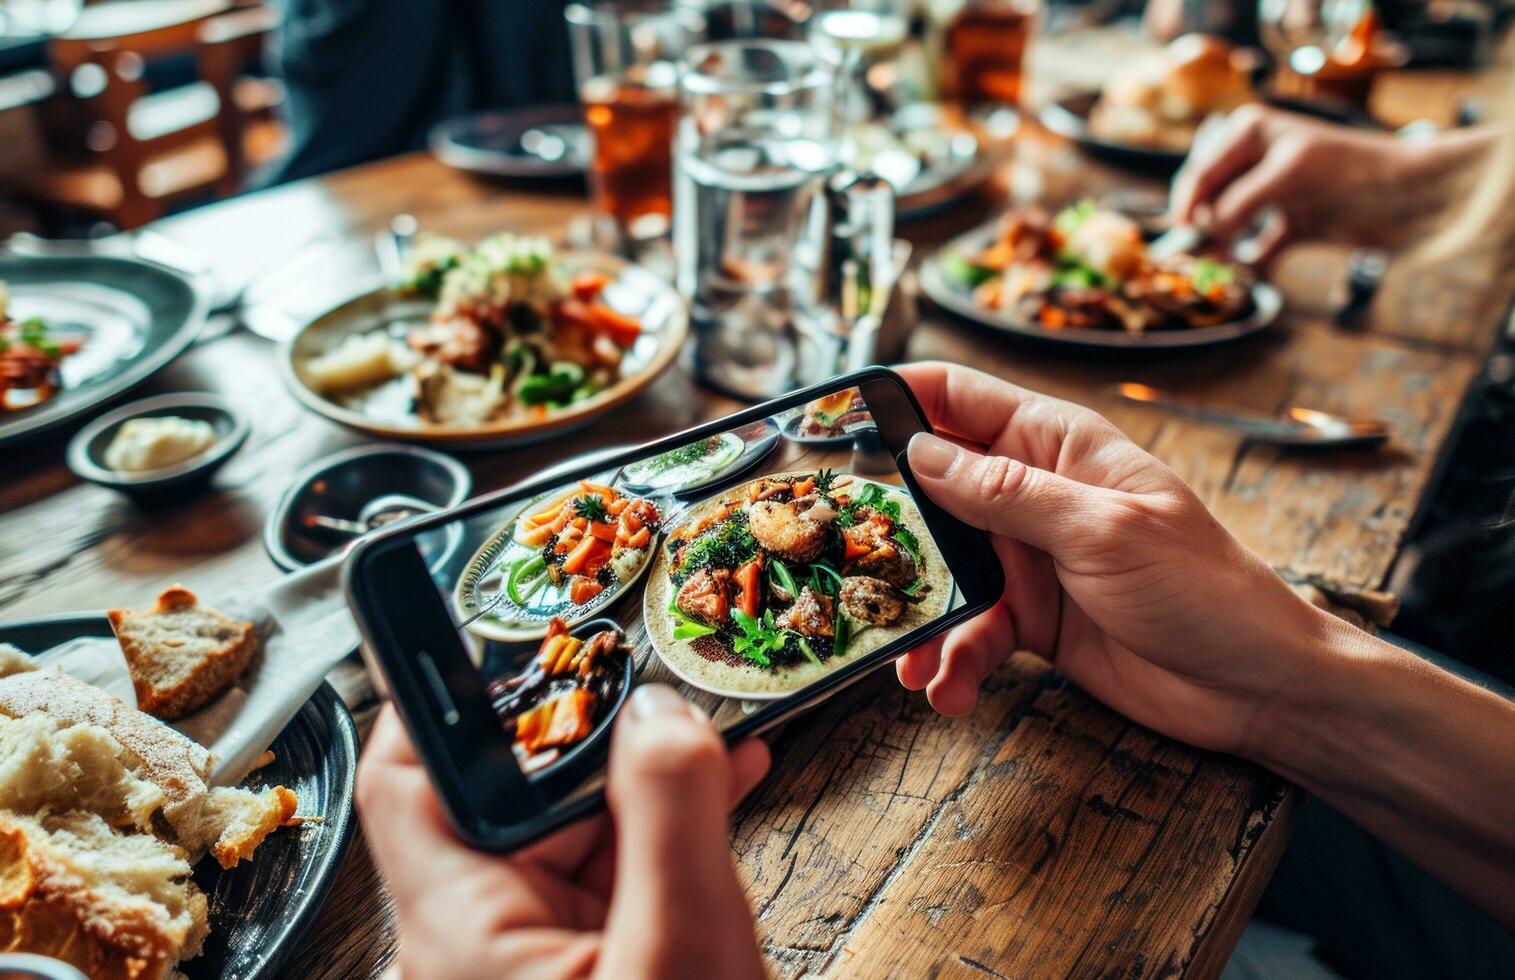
[[1429, 174], [1422, 759]]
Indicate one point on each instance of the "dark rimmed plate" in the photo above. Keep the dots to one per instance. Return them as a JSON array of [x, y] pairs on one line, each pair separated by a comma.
[[1068, 117], [938, 285], [137, 317], [259, 909], [575, 765], [497, 144]]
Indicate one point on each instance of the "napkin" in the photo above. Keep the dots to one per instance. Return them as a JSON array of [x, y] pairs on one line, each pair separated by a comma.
[[304, 627]]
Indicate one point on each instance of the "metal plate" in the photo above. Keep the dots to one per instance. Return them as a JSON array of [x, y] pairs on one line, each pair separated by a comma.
[[136, 316], [1267, 304], [259, 909]]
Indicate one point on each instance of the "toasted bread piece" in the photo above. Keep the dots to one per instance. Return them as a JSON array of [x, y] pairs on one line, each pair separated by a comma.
[[125, 766], [181, 654], [113, 905]]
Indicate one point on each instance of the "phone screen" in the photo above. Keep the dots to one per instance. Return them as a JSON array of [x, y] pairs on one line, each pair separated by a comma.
[[746, 568]]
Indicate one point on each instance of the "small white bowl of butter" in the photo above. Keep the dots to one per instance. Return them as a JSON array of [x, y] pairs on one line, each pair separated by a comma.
[[158, 444]]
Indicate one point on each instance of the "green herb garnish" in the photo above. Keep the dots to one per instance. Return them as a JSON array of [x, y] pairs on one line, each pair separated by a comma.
[[759, 640], [779, 575], [1070, 274], [686, 628], [1072, 218], [1207, 274], [591, 508], [907, 540], [965, 272], [525, 578], [729, 544]]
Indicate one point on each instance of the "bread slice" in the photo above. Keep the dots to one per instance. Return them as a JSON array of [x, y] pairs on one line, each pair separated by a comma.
[[113, 905], [180, 653], [124, 766]]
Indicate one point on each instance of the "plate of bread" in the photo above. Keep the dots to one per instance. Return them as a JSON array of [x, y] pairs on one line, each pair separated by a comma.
[[1147, 113], [125, 849]]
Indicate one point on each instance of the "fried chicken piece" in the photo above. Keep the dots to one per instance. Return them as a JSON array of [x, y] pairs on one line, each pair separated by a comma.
[[812, 614], [785, 530], [885, 559], [706, 596], [871, 600]]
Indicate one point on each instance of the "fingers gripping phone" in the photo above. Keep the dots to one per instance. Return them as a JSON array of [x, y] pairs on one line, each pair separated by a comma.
[[758, 564]]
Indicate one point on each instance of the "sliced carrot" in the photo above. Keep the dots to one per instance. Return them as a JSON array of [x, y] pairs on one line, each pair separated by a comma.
[[537, 536], [567, 650], [572, 719], [532, 727], [543, 516], [589, 285], [605, 532], [853, 549], [548, 654], [584, 589], [581, 554], [641, 539], [804, 486], [606, 494], [619, 327], [748, 580], [631, 522], [616, 506]]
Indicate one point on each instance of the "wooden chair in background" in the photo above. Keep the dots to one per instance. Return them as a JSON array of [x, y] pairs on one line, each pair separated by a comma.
[[142, 151]]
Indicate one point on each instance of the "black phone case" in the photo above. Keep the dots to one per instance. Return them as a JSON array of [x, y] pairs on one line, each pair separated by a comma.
[[485, 772]]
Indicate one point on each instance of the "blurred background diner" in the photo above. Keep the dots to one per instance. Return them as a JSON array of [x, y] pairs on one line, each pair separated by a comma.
[[1249, 164]]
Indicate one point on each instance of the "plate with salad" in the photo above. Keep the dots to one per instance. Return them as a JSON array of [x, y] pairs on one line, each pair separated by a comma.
[[704, 462], [1084, 276], [567, 555], [779, 581], [505, 341]]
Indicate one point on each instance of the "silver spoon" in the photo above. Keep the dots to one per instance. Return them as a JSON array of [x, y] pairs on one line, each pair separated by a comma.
[[1301, 427]]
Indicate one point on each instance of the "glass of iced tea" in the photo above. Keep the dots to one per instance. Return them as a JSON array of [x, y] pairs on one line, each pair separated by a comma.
[[625, 56], [986, 50]]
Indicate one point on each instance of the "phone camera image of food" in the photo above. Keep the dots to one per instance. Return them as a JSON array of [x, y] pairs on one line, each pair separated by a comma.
[[742, 567]]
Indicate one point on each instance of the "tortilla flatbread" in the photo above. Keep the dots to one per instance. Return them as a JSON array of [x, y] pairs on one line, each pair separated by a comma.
[[729, 677]]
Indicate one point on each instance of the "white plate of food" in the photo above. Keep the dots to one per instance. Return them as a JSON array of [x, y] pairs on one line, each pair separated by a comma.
[[772, 584], [1083, 277], [504, 342], [565, 555]]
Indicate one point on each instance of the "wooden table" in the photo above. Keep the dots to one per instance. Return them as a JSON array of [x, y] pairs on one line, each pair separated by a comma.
[[1043, 836]]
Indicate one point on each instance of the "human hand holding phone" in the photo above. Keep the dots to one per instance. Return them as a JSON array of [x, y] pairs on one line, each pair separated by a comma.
[[647, 889], [1114, 568]]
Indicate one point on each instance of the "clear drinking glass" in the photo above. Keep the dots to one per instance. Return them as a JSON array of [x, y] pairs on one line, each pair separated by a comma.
[[867, 37], [757, 140], [1303, 34], [625, 55]]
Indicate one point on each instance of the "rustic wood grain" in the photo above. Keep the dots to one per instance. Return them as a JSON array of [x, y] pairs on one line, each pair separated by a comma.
[[1044, 835]]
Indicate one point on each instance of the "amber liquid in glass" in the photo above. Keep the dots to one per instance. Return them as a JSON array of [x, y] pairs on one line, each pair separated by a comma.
[[633, 128], [986, 48]]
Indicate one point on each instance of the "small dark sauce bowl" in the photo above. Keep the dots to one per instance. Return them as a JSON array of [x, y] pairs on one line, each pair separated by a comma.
[[86, 450], [340, 485]]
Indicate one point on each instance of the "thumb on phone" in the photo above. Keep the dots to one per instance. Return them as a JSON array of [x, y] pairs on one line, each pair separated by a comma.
[[677, 908], [999, 494]]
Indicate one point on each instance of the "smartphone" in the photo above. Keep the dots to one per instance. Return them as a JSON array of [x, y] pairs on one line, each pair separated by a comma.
[[758, 564]]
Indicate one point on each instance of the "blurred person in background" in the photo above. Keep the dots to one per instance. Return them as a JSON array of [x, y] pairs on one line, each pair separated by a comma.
[[369, 78]]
